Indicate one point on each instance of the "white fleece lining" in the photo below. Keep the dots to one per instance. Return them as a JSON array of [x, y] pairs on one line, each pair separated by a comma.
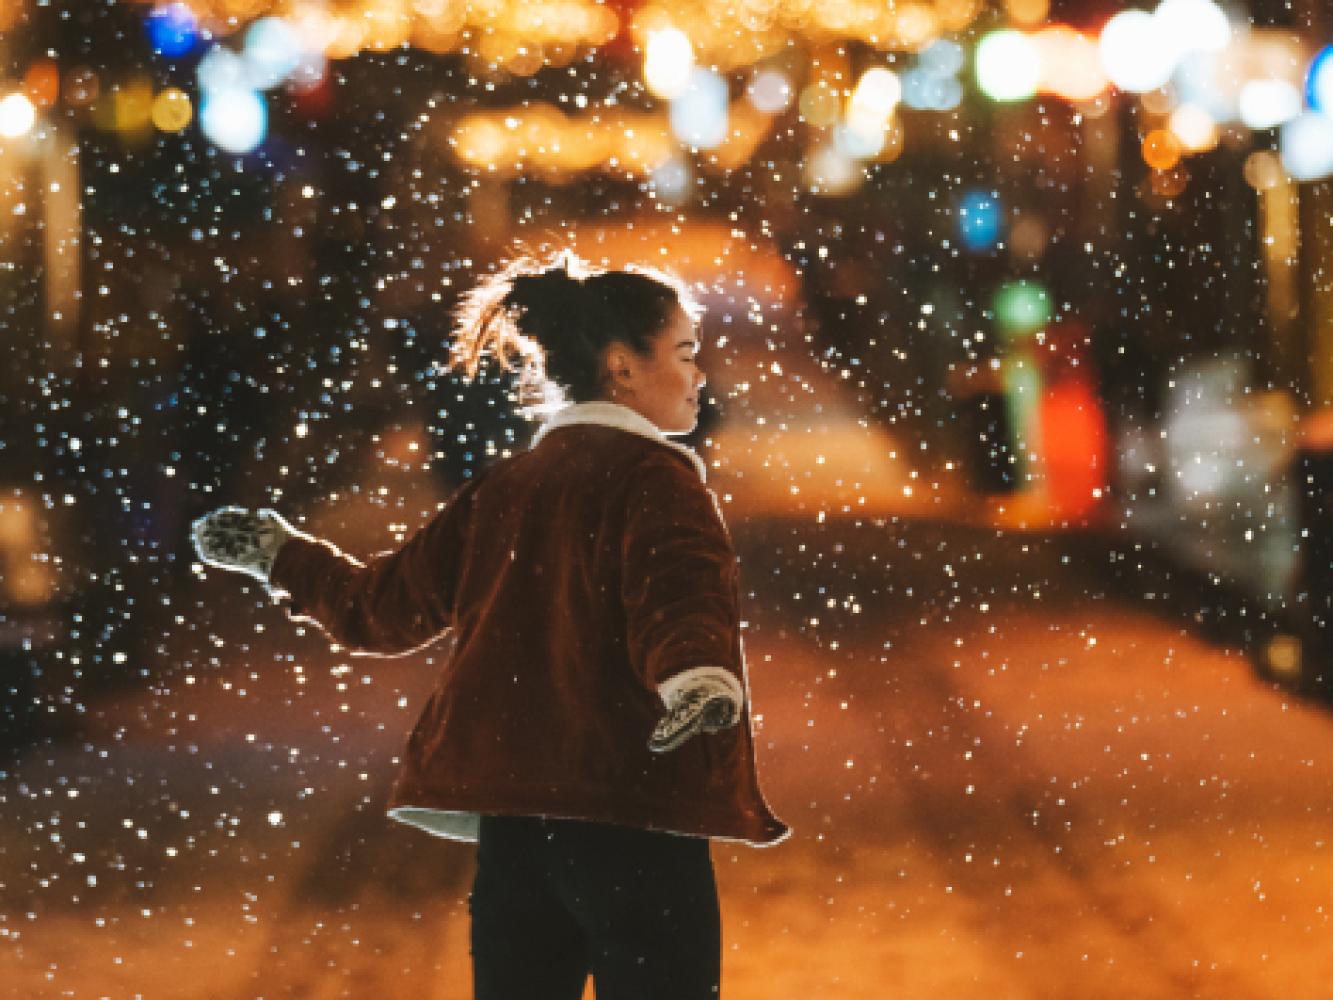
[[466, 826], [620, 417], [438, 822], [717, 679]]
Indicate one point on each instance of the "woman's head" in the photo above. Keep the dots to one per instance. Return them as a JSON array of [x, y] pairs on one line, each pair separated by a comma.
[[582, 335]]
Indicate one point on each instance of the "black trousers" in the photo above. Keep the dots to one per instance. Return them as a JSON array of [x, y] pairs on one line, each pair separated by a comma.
[[557, 900]]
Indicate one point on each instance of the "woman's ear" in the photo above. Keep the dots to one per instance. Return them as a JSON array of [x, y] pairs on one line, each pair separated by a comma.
[[619, 367]]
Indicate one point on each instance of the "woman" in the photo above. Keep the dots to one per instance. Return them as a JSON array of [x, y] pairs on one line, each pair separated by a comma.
[[591, 730]]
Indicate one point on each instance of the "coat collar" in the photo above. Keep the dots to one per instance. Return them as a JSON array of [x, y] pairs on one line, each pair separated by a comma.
[[620, 417]]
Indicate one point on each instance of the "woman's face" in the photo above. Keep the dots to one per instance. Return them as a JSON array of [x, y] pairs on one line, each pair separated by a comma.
[[664, 384]]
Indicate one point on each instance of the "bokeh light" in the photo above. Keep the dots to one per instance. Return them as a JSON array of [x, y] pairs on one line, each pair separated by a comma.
[[1070, 67], [234, 119], [979, 220], [1192, 25], [17, 116], [130, 107], [818, 104], [1027, 12], [1268, 103], [1319, 82], [221, 69], [1161, 149], [829, 172], [942, 58], [668, 63], [172, 110], [770, 91], [1022, 306], [1136, 53], [41, 83], [858, 141], [699, 115], [1008, 66], [1306, 146], [872, 102], [1263, 170], [1194, 127], [927, 92], [876, 95], [82, 85], [1207, 80], [1029, 236], [272, 52], [933, 83], [671, 179], [173, 30]]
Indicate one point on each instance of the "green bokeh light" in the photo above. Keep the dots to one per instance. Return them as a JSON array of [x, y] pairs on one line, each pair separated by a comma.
[[1022, 307]]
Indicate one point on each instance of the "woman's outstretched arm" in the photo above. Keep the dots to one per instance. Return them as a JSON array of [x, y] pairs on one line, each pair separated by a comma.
[[390, 604]]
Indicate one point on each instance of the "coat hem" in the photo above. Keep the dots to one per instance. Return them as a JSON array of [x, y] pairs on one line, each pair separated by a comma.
[[460, 820]]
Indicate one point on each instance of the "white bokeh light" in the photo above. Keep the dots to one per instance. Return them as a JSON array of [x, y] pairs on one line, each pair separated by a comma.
[[668, 63], [769, 91], [699, 115], [1194, 127], [1008, 66], [877, 93], [1200, 80], [221, 69], [1136, 51], [858, 141], [272, 52], [17, 116], [1268, 103], [1306, 146], [1193, 25], [830, 172], [234, 119]]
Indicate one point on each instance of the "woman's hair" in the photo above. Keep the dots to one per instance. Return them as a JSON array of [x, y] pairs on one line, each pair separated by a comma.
[[552, 319]]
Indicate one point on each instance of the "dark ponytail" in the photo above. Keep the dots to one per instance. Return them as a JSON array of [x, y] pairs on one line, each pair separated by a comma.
[[553, 319]]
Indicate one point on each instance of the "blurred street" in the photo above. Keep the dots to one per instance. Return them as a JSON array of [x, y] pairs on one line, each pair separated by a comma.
[[1018, 333], [1007, 779]]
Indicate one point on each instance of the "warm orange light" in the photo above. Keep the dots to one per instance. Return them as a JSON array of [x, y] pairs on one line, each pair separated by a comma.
[[1161, 149], [41, 83], [1027, 12], [542, 138], [172, 110], [1263, 170]]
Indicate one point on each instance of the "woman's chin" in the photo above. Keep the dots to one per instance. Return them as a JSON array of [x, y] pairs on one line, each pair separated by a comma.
[[684, 425]]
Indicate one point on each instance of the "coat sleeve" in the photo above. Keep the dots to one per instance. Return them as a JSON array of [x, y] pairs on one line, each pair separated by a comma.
[[678, 577], [391, 604]]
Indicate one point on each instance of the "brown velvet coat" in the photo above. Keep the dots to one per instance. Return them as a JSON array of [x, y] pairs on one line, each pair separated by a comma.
[[575, 577]]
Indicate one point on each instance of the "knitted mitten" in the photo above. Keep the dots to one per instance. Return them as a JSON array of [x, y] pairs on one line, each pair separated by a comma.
[[707, 705], [242, 541]]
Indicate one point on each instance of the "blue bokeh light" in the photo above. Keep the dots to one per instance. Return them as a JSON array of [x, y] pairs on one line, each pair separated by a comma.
[[1319, 82], [173, 30], [979, 220]]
